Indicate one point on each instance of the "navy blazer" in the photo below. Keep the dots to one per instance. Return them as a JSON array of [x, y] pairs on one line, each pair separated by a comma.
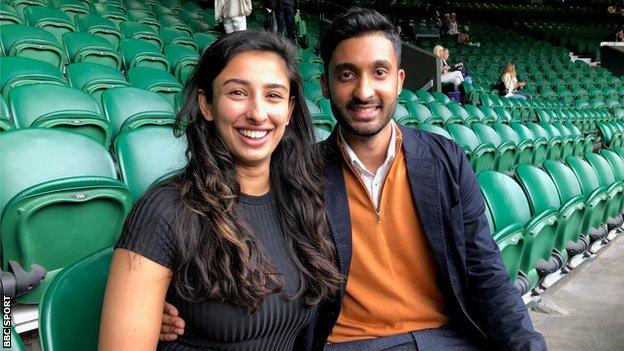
[[481, 300]]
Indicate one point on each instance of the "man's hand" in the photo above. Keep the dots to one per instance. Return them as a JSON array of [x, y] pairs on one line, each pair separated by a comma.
[[172, 325]]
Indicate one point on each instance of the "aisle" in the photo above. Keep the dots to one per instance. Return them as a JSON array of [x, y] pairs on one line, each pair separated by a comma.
[[590, 306]]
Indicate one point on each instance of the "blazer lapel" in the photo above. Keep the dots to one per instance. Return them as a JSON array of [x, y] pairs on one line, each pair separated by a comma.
[[336, 203], [422, 172]]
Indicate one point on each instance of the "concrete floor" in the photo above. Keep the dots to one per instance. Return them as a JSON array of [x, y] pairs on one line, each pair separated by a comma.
[[586, 309]]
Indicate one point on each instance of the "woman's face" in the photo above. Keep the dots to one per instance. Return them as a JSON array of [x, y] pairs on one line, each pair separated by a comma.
[[251, 106]]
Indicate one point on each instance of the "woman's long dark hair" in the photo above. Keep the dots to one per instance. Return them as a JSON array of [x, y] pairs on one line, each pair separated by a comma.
[[219, 255]]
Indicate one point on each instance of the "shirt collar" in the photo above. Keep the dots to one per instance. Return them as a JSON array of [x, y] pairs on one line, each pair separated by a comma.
[[356, 162]]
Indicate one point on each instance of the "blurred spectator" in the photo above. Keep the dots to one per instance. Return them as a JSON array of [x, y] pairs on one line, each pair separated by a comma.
[[509, 85], [453, 30], [233, 14], [270, 22], [447, 74], [619, 36], [285, 15]]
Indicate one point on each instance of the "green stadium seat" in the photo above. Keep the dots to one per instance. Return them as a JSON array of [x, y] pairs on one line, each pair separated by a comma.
[[425, 96], [147, 154], [99, 26], [204, 40], [597, 198], [143, 32], [20, 5], [144, 16], [128, 108], [155, 80], [94, 79], [524, 148], [440, 111], [161, 10], [459, 112], [503, 115], [139, 5], [613, 187], [432, 128], [6, 121], [325, 105], [481, 155], [510, 212], [540, 144], [407, 95], [476, 114], [567, 143], [17, 70], [175, 23], [85, 47], [62, 326], [309, 71], [617, 166], [171, 36], [60, 202], [70, 7], [8, 15], [422, 114], [139, 53], [192, 11], [60, 107], [554, 145], [313, 91], [111, 10], [183, 60], [544, 197], [54, 21], [321, 134], [505, 150], [26, 41], [490, 115], [441, 97], [310, 57]]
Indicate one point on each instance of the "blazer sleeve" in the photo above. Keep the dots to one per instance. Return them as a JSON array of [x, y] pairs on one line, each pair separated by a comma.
[[495, 303]]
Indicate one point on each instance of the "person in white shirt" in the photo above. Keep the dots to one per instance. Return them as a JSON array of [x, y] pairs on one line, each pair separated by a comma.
[[233, 13], [447, 76], [509, 83]]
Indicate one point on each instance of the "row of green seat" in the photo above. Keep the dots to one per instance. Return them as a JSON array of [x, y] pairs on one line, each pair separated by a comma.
[[541, 218]]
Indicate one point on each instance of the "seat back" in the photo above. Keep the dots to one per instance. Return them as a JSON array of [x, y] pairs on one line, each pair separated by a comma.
[[616, 163], [63, 326], [26, 41], [564, 178], [146, 154], [60, 200], [602, 168], [486, 134], [464, 136], [506, 133], [16, 71], [94, 78], [585, 173], [58, 106], [86, 47], [507, 202], [128, 108], [540, 188], [432, 128]]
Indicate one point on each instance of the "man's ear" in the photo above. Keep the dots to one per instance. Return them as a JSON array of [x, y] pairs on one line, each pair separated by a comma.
[[204, 106], [401, 78], [324, 85]]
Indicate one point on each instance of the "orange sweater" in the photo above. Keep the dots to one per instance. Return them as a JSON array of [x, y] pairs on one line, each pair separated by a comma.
[[391, 288]]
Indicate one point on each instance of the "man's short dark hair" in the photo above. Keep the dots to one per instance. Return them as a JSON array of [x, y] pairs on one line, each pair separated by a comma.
[[355, 22]]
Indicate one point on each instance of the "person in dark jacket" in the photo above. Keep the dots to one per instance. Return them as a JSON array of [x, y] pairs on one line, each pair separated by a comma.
[[285, 16], [407, 218]]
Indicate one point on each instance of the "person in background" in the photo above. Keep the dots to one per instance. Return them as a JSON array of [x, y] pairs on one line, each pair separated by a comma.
[[509, 85], [270, 22], [285, 15], [447, 74], [233, 14]]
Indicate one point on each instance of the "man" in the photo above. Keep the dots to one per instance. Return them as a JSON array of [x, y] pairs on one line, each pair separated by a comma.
[[405, 211]]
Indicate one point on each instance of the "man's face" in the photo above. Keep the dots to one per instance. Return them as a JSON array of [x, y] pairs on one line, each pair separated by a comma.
[[363, 83], [445, 54]]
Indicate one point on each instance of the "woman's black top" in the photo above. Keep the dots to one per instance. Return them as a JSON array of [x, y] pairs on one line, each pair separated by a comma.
[[211, 324]]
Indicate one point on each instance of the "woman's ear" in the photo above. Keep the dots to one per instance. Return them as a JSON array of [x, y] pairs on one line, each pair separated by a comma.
[[204, 106]]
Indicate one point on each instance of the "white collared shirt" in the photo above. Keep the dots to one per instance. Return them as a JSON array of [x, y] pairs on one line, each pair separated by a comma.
[[372, 181]]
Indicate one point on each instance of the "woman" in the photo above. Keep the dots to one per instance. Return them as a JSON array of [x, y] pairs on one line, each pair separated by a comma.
[[447, 74], [508, 85], [238, 240]]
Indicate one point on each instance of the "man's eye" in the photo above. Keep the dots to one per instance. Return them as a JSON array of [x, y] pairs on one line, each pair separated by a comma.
[[346, 75], [381, 73]]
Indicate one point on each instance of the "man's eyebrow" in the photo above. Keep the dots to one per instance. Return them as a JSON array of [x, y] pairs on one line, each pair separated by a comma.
[[342, 66], [246, 82]]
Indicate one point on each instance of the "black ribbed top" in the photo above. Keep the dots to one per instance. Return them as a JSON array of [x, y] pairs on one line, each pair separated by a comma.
[[215, 325]]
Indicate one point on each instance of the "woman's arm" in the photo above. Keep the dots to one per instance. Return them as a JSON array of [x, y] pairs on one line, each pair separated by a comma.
[[133, 303]]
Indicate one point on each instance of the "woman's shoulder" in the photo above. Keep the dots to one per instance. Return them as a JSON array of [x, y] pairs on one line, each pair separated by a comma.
[[159, 201]]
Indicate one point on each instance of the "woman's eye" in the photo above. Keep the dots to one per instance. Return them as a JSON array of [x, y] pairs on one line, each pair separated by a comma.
[[237, 93], [274, 96]]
